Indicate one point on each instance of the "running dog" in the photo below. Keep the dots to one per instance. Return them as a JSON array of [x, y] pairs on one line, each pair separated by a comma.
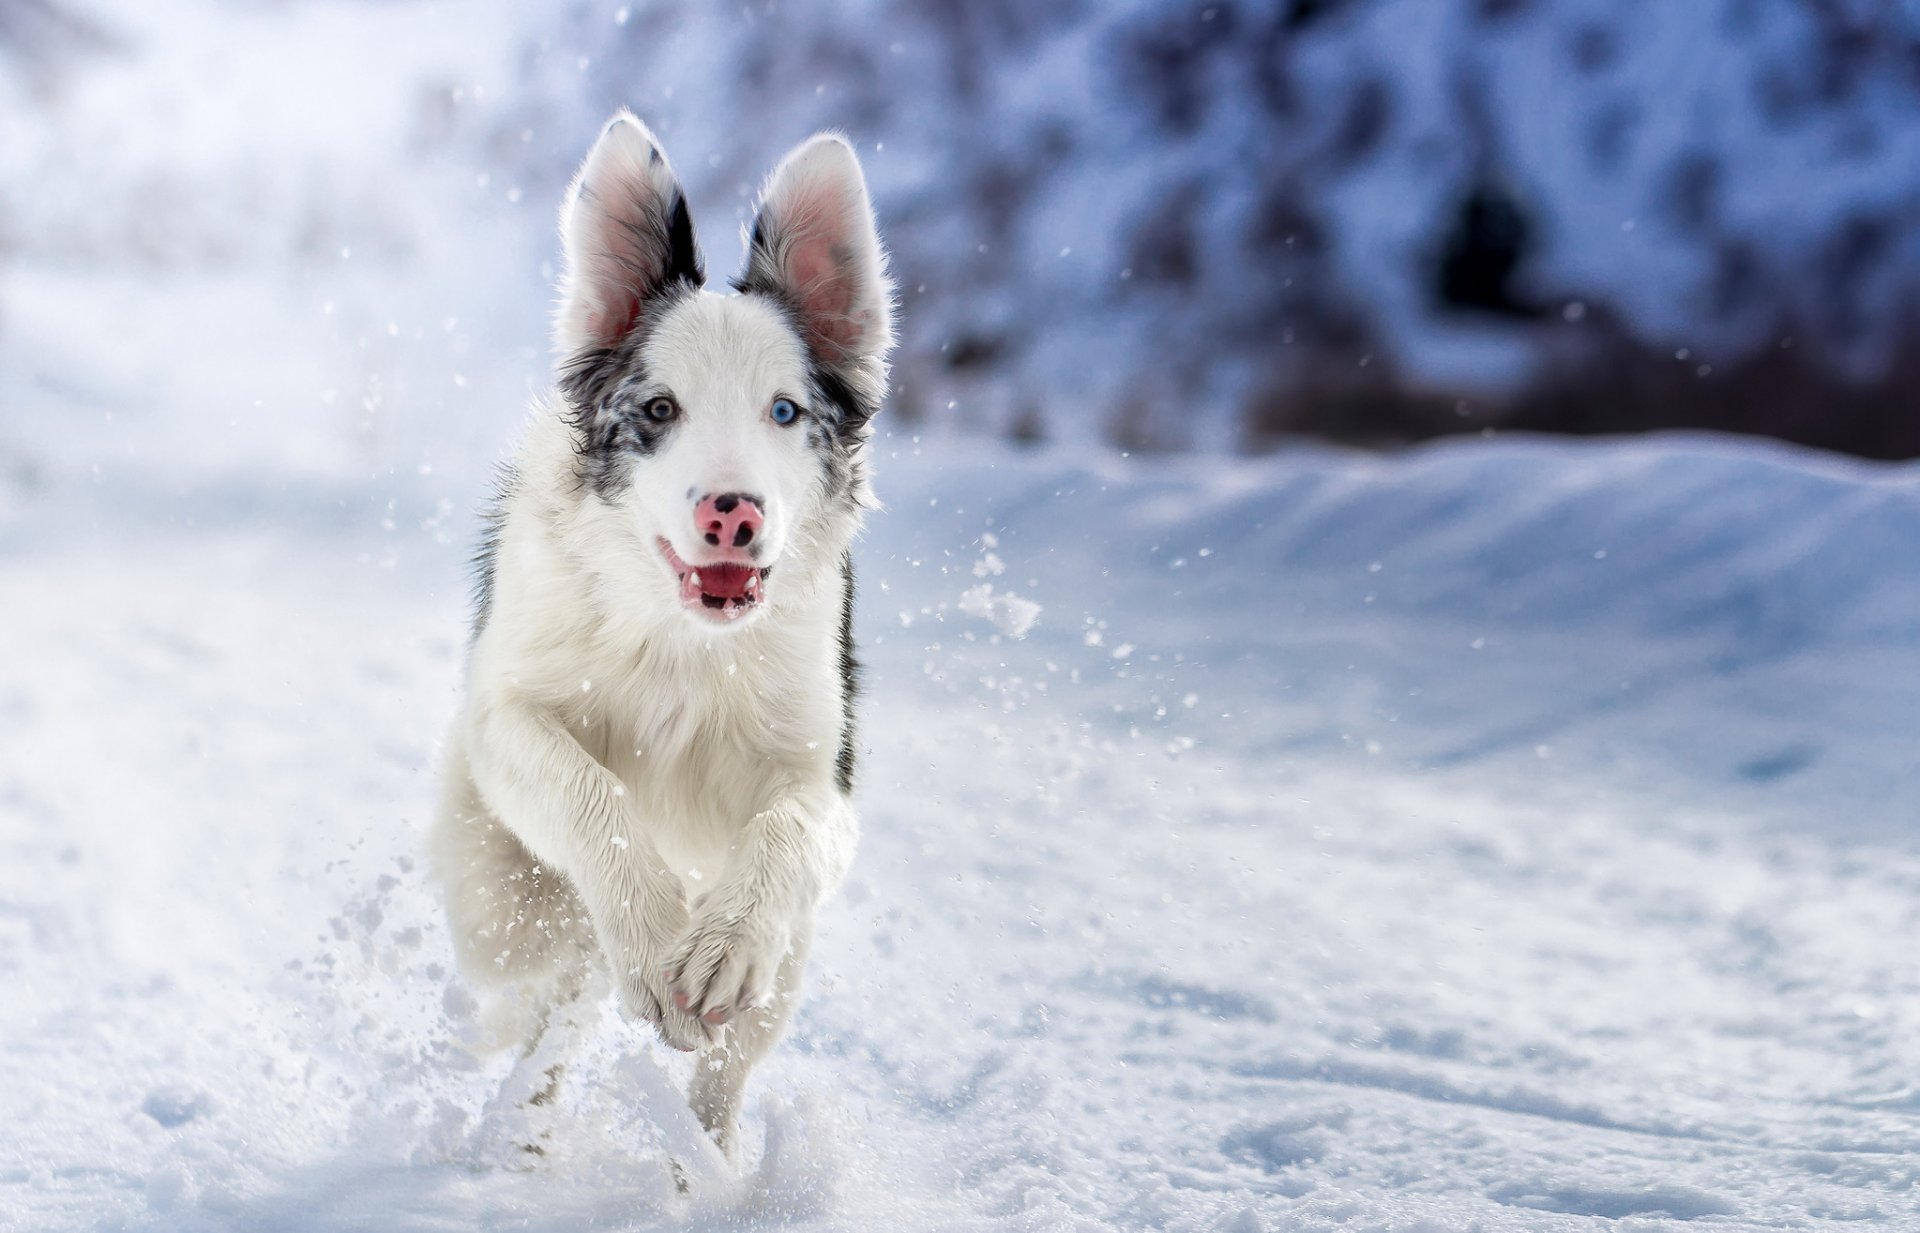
[[649, 779]]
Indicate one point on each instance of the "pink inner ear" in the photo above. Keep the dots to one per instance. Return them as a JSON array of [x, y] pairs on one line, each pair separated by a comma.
[[618, 266], [827, 296], [613, 321], [820, 268]]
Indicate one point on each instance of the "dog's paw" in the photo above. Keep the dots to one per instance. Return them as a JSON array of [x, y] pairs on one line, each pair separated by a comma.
[[727, 962], [645, 998], [660, 917]]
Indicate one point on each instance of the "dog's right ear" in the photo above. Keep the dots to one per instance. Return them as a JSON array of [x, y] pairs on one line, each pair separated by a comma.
[[627, 237], [814, 249]]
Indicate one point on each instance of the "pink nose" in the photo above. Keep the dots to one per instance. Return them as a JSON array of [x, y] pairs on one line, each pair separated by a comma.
[[729, 520]]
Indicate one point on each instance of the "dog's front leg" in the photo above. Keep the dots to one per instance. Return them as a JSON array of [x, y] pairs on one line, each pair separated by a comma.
[[573, 815], [787, 858]]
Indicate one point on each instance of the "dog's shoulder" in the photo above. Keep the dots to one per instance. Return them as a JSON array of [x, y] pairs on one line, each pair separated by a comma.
[[531, 584]]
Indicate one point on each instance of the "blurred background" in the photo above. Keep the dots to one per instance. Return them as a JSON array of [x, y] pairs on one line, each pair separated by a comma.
[[1163, 225]]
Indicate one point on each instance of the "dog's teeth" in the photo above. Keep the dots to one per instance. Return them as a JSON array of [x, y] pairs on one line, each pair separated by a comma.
[[695, 575]]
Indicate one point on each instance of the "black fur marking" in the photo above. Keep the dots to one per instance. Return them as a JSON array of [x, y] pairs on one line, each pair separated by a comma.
[[607, 392], [602, 384], [852, 413], [486, 554], [665, 236], [612, 435], [849, 684], [588, 376], [683, 256], [834, 403]]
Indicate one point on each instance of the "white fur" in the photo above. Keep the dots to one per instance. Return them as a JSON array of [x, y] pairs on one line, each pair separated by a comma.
[[631, 790]]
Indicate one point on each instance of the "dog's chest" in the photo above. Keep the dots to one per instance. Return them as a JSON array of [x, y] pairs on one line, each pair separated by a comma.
[[701, 749]]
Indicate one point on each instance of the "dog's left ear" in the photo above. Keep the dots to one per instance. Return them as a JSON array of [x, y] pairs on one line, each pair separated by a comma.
[[815, 248], [627, 237]]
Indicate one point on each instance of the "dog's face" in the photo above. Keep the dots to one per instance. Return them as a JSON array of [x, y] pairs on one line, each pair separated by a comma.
[[726, 432]]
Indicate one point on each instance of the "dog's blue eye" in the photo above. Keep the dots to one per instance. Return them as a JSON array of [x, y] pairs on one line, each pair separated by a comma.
[[661, 410], [783, 411]]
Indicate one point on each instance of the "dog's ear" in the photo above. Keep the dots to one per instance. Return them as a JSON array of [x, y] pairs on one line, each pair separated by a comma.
[[627, 236], [814, 247]]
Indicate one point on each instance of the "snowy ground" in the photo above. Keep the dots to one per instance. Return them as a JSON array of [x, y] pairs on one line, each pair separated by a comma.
[[1503, 836]]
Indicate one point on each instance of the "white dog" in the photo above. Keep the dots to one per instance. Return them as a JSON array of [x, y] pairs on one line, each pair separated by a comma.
[[650, 776]]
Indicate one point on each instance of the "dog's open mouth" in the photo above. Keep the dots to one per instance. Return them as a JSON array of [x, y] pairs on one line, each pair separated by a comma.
[[722, 590]]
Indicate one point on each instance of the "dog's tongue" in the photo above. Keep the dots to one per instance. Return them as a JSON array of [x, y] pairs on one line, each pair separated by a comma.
[[724, 581]]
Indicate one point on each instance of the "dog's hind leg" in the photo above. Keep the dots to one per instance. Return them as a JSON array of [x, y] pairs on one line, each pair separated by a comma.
[[524, 940], [518, 1125], [520, 932], [720, 1073]]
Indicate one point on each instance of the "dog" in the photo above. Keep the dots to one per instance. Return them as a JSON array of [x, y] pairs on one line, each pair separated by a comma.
[[649, 780]]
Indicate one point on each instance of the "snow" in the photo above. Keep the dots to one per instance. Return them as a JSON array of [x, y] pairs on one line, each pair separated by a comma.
[[1503, 835], [1007, 612], [1510, 835]]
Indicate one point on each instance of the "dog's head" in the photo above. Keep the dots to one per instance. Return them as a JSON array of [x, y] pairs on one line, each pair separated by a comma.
[[725, 433]]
